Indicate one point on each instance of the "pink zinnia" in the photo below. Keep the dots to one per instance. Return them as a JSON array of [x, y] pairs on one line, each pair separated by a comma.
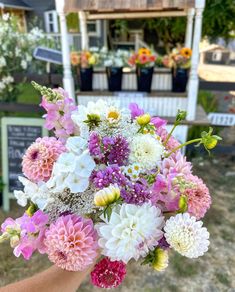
[[71, 242], [108, 274], [199, 199], [39, 158], [176, 163]]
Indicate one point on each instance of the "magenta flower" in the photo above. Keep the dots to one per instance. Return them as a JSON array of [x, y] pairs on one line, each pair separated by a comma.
[[109, 150], [158, 122], [71, 242], [108, 274], [135, 110]]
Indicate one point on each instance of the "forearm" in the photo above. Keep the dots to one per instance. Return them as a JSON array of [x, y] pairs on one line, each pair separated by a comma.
[[52, 280]]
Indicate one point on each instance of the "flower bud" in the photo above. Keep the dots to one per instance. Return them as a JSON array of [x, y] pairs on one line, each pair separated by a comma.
[[181, 115], [31, 210], [210, 143], [107, 196], [144, 119], [160, 261], [14, 241], [183, 206], [4, 237]]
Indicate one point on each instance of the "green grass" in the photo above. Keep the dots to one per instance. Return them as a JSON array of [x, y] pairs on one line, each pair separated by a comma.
[[28, 94], [223, 279]]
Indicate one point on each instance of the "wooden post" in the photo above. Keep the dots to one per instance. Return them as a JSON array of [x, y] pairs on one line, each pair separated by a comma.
[[189, 30], [68, 81], [193, 78], [83, 29]]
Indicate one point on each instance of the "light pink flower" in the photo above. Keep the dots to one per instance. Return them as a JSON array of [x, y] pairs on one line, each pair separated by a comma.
[[199, 199], [39, 158], [172, 142], [71, 242], [176, 163], [58, 116]]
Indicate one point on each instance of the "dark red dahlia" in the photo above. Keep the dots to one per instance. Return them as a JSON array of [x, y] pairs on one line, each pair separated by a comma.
[[108, 274]]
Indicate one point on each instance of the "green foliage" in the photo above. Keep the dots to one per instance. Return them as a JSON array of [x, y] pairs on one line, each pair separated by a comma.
[[184, 267], [1, 184], [218, 19], [169, 30], [72, 22], [209, 103]]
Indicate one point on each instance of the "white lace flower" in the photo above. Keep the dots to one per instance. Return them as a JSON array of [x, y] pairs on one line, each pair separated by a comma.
[[146, 150], [131, 232], [186, 235]]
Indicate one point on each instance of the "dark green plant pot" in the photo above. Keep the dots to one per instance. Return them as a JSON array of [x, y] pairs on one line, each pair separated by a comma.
[[144, 78]]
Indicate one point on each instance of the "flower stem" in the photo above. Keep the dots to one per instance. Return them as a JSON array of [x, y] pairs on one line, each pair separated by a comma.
[[169, 135], [184, 144]]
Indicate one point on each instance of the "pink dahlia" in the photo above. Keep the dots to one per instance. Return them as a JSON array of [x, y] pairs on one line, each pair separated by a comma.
[[176, 163], [199, 199], [108, 274], [71, 242], [39, 158]]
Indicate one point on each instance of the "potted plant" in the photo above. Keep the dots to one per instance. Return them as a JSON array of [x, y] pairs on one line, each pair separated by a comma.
[[144, 62], [179, 61], [114, 63], [84, 62]]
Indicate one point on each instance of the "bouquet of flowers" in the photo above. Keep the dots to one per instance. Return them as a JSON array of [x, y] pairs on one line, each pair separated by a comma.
[[143, 58], [115, 59], [112, 182], [84, 59], [178, 58]]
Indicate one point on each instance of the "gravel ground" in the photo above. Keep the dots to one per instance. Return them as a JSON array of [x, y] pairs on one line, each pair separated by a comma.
[[214, 272]]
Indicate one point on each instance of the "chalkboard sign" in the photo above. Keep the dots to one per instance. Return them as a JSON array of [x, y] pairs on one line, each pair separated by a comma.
[[48, 55], [17, 135]]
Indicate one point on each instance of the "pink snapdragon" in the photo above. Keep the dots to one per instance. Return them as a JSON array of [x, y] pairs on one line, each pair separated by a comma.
[[26, 233], [58, 116]]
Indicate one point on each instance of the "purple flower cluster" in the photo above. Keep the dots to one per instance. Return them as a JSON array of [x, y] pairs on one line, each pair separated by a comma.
[[109, 150], [137, 193], [110, 175], [58, 116]]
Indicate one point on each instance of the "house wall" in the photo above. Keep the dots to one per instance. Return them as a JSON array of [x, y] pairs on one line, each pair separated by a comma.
[[39, 7]]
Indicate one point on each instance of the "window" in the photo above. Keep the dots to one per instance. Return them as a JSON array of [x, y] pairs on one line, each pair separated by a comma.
[[94, 27], [217, 56], [51, 21]]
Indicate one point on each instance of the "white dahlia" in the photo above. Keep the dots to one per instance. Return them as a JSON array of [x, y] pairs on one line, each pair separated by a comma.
[[186, 235], [131, 232], [146, 150]]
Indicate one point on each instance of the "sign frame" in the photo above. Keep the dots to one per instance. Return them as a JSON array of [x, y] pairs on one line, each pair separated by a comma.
[[47, 59], [12, 121]]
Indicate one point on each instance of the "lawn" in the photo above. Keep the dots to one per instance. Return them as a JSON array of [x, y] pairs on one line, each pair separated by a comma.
[[215, 272]]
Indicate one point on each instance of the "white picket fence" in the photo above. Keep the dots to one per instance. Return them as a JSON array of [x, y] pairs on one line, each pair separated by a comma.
[[155, 105], [161, 80]]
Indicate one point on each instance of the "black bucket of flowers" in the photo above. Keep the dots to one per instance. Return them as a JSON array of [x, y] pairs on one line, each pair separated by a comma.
[[114, 77], [144, 61], [179, 60], [83, 62], [179, 79]]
